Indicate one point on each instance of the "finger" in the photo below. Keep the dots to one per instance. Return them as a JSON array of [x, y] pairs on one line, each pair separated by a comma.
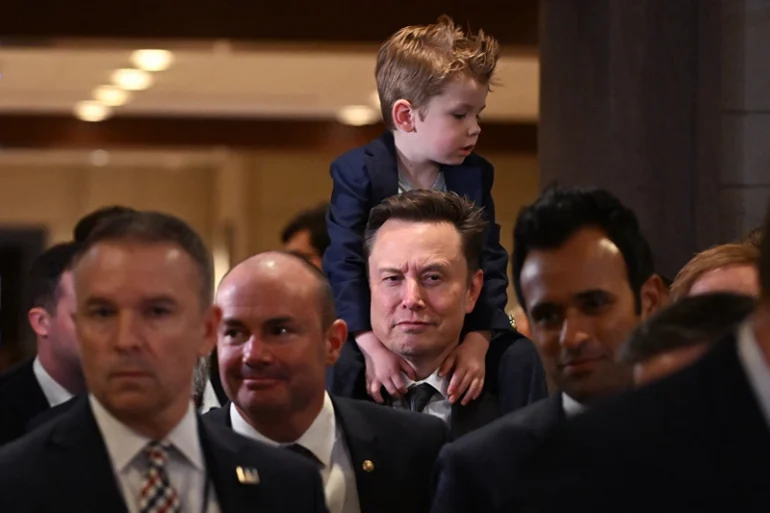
[[447, 365], [465, 382], [453, 389], [391, 388], [399, 385], [374, 390], [407, 369], [473, 391]]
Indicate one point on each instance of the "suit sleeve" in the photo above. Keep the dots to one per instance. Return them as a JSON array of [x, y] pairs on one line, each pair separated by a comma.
[[489, 313], [344, 262]]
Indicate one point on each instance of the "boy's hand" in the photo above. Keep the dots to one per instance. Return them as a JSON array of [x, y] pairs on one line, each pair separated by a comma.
[[469, 363], [383, 368]]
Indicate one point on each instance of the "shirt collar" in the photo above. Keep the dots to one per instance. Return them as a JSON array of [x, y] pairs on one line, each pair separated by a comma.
[[318, 439], [438, 382], [571, 406], [54, 393], [124, 444], [753, 362]]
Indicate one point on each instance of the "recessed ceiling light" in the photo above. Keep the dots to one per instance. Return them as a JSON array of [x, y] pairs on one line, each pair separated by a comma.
[[92, 111], [131, 79], [111, 96], [358, 115], [152, 60]]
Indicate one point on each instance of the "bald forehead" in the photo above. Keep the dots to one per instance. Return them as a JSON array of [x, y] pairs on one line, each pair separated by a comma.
[[270, 266]]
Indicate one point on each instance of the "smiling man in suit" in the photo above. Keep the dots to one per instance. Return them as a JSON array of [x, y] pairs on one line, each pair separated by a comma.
[[278, 335], [583, 272], [54, 375], [143, 285]]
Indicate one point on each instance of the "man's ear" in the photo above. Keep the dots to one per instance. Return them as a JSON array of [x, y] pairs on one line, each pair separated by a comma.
[[404, 116], [653, 295], [40, 321], [474, 290], [210, 327], [336, 336]]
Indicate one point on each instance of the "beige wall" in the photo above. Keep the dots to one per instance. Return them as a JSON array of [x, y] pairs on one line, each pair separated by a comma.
[[255, 193]]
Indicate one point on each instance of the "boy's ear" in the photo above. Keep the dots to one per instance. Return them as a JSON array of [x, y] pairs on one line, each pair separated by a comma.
[[403, 116]]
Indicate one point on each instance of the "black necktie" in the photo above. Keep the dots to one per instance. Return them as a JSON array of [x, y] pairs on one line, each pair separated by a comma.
[[303, 451], [419, 395]]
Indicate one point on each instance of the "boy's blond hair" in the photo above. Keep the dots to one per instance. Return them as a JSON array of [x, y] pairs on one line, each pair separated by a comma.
[[417, 62]]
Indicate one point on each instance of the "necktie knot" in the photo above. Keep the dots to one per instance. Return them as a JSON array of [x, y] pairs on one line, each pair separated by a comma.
[[419, 396], [157, 453]]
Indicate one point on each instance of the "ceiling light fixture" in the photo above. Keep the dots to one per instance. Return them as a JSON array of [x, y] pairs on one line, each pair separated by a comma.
[[152, 60], [358, 115], [111, 96], [92, 111], [131, 79]]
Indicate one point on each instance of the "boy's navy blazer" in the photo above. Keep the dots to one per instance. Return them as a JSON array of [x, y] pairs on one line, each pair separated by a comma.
[[365, 176]]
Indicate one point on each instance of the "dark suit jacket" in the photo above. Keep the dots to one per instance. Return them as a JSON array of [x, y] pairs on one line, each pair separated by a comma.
[[365, 176], [21, 399], [520, 381], [64, 467], [473, 474], [695, 441], [402, 445]]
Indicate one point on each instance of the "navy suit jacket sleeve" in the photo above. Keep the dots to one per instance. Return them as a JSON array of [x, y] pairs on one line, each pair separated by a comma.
[[344, 261], [489, 312]]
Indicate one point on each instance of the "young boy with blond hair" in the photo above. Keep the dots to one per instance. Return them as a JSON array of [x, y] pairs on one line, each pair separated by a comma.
[[433, 82]]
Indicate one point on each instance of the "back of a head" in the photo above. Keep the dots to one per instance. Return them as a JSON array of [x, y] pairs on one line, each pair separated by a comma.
[[417, 62], [764, 260], [314, 221], [754, 237], [157, 228], [724, 255], [561, 212], [431, 206], [691, 321], [88, 223], [45, 275]]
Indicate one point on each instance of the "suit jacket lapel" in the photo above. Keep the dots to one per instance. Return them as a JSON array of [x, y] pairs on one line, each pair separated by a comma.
[[381, 162], [361, 440], [221, 463], [465, 180], [478, 413], [77, 443]]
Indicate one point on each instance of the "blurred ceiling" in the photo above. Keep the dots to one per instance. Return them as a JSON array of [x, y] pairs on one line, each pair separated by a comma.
[[220, 81]]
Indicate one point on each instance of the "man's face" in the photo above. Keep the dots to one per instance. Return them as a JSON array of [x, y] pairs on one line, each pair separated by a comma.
[[301, 244], [141, 326], [61, 331], [420, 288], [272, 347], [581, 310]]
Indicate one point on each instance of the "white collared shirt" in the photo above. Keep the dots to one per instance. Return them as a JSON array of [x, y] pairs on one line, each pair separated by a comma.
[[438, 405], [209, 400], [753, 362], [327, 443], [186, 466], [53, 391], [571, 406]]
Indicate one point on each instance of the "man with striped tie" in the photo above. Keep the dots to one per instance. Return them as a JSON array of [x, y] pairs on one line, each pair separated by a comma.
[[144, 316]]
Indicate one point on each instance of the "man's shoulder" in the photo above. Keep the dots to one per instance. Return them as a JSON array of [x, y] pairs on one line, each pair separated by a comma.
[[20, 375], [29, 449]]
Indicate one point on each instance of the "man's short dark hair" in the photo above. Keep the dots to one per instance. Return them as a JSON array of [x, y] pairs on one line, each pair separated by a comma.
[[431, 206], [312, 220], [692, 321], [89, 222], [45, 276], [764, 259], [560, 212], [157, 228]]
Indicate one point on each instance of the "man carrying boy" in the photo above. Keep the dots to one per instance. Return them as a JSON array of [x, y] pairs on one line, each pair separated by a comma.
[[433, 83]]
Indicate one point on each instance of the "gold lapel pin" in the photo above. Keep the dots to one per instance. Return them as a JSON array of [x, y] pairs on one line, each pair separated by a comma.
[[368, 466], [247, 475]]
